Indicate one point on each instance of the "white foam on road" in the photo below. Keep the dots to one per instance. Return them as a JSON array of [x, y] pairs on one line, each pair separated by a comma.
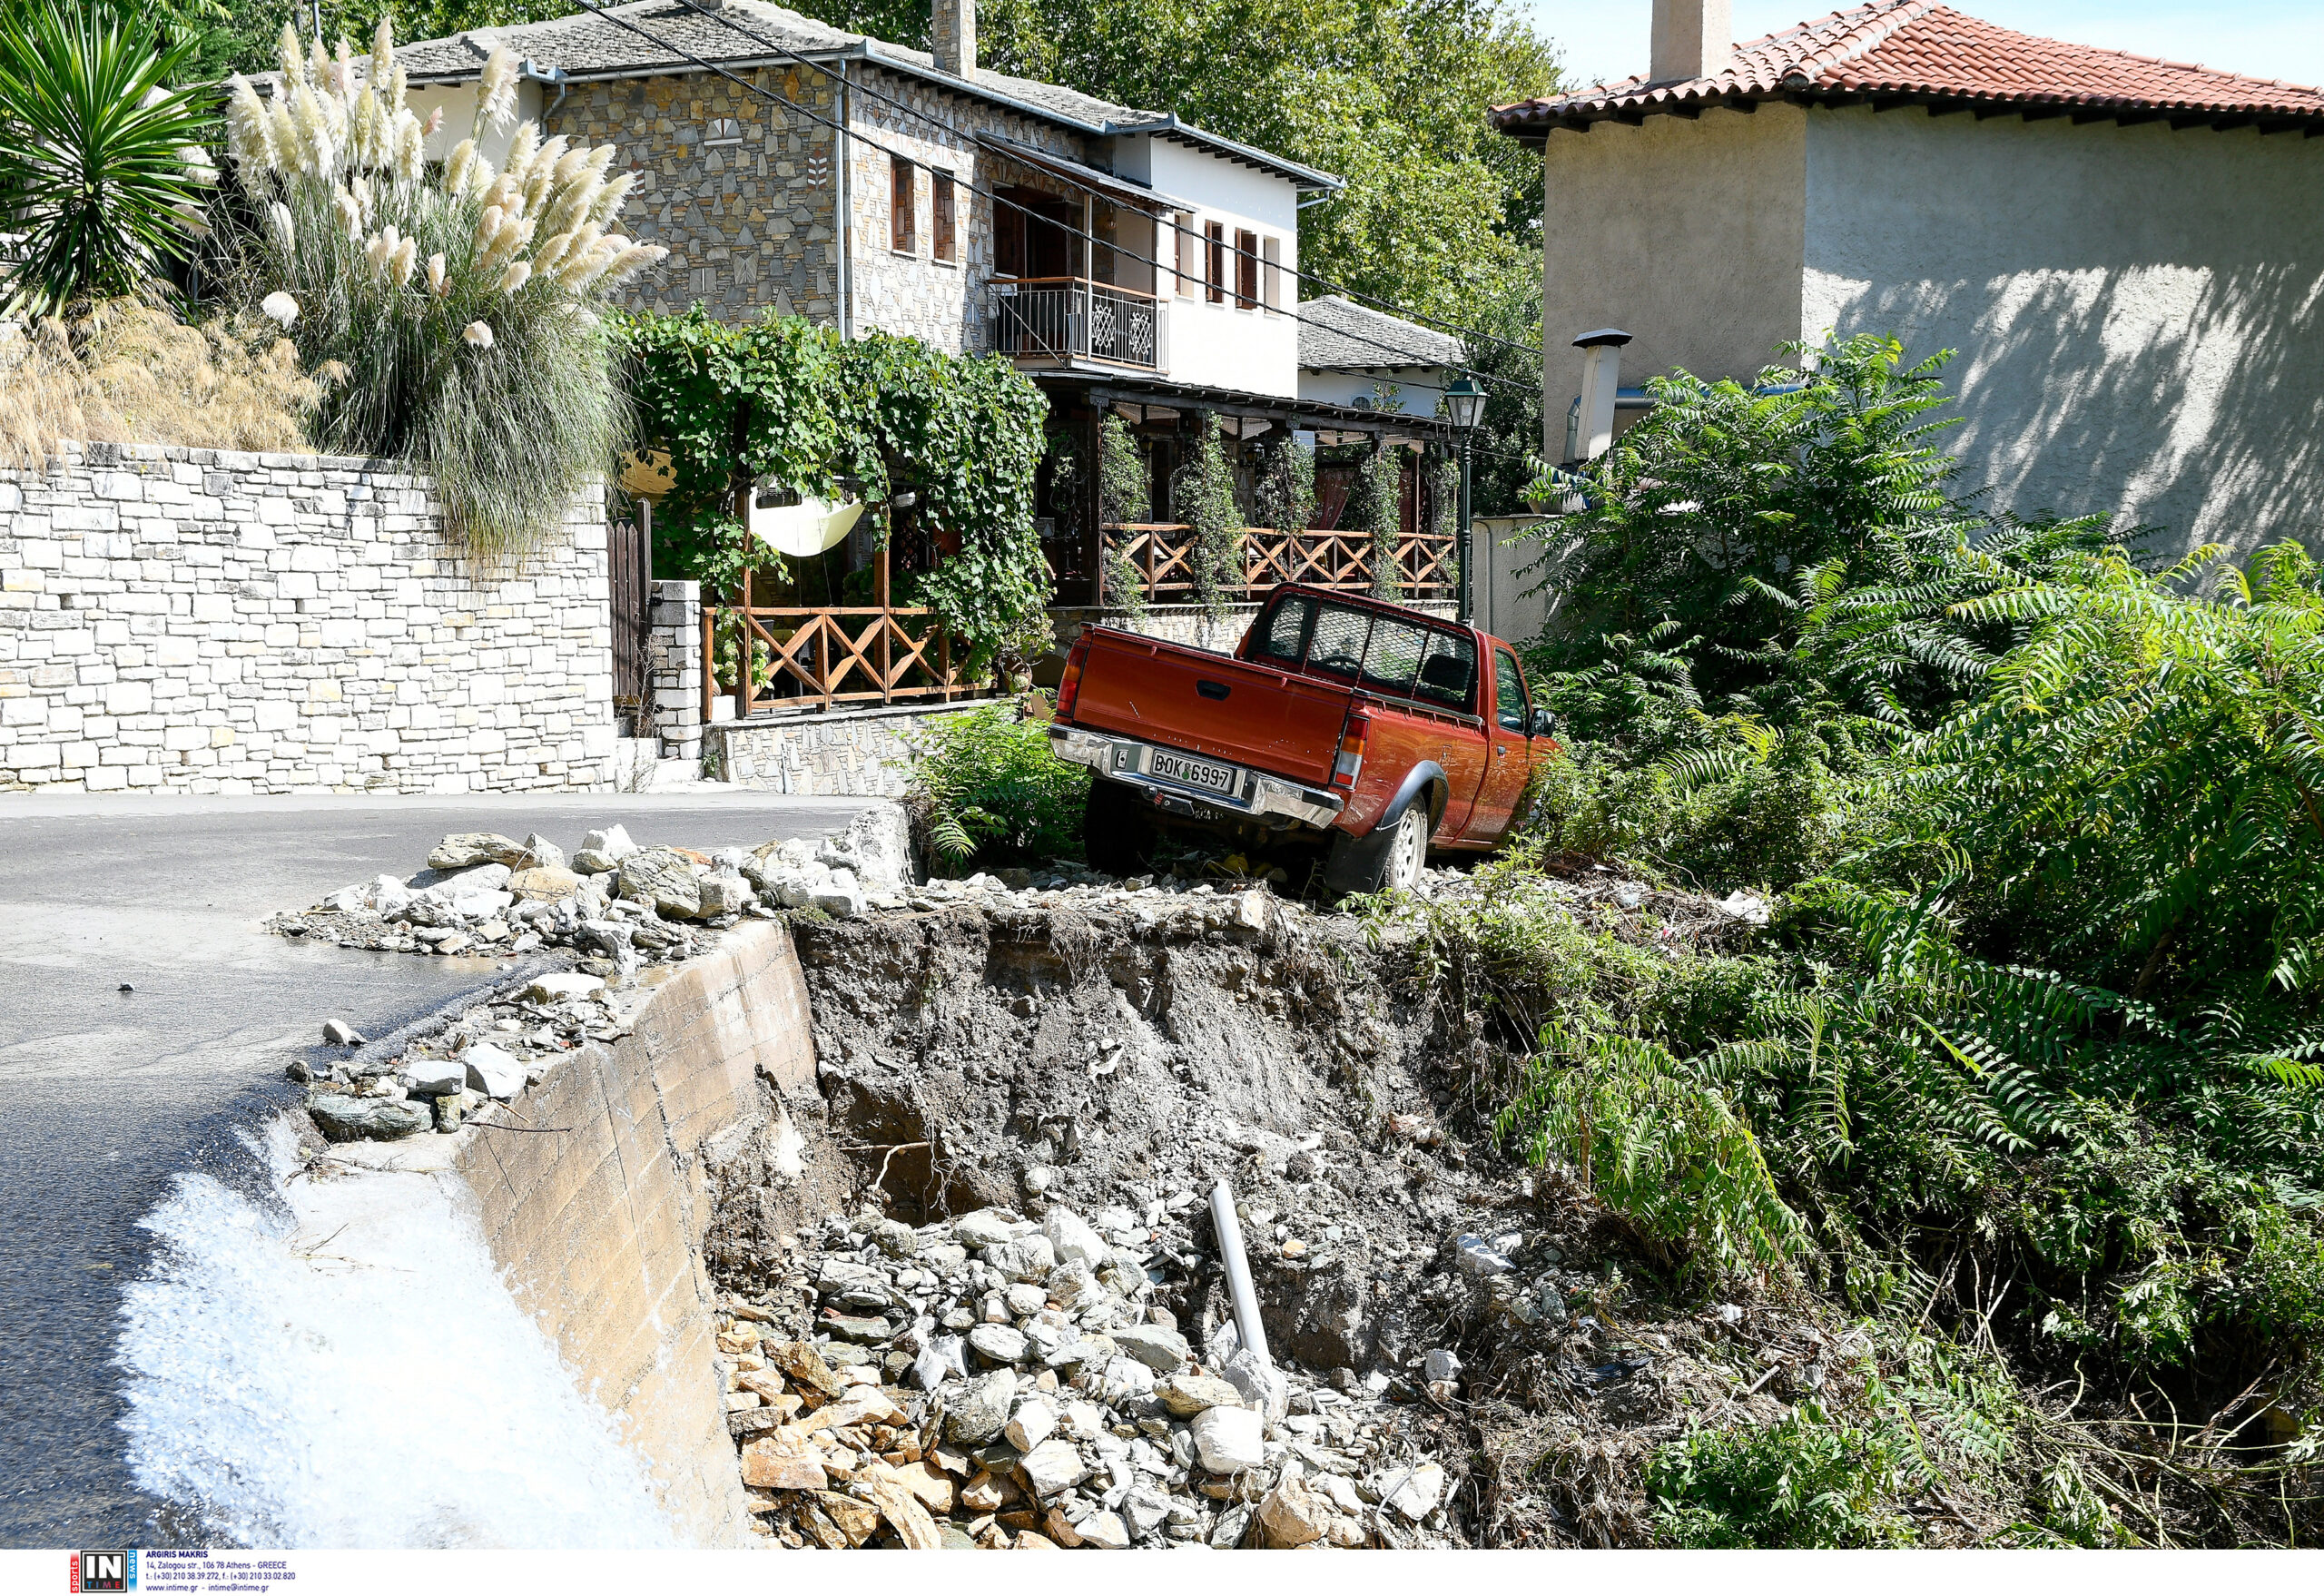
[[350, 1372]]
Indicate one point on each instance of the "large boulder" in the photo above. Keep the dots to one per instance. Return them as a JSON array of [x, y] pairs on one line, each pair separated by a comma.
[[465, 850], [493, 1070], [345, 1119], [878, 842], [665, 878], [1229, 1440], [546, 884], [1293, 1515], [602, 850], [980, 1411]]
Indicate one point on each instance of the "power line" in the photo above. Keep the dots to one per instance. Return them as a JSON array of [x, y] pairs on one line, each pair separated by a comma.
[[1404, 356], [718, 14]]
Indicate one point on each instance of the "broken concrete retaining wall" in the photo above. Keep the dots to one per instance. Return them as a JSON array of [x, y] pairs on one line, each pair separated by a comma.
[[597, 1216], [206, 621]]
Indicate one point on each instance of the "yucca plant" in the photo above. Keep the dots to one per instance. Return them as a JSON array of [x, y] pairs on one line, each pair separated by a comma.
[[451, 306], [102, 176]]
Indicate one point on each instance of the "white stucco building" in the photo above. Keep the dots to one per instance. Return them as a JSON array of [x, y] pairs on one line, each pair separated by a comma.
[[2127, 253]]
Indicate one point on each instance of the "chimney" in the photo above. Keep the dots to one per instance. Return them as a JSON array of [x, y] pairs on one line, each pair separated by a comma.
[[1692, 38], [1601, 376], [956, 38]]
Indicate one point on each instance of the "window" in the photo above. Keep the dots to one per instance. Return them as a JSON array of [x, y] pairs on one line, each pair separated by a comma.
[[1285, 632], [1508, 692], [1215, 277], [1448, 672], [1393, 657], [903, 200], [1338, 644], [1247, 270], [1189, 248], [946, 243], [1271, 274], [723, 130]]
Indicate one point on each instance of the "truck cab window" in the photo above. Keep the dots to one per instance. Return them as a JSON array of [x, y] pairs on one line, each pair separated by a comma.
[[1338, 645], [1448, 672], [1394, 657], [1508, 692], [1285, 633]]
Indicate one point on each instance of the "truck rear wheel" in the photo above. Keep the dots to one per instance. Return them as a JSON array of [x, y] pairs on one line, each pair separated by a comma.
[[1390, 858], [1117, 831]]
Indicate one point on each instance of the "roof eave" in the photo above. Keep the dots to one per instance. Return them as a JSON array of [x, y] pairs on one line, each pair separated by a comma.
[[1534, 125], [1308, 178]]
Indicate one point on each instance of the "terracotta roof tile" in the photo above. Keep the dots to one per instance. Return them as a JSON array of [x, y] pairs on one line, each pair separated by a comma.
[[1920, 49]]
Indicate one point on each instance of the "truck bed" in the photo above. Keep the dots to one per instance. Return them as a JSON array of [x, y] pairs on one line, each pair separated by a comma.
[[1212, 704]]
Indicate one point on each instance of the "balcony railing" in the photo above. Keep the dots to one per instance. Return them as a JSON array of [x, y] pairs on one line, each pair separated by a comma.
[[1162, 556], [1059, 319]]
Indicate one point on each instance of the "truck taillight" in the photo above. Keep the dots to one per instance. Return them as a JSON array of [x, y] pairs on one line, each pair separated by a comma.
[[1068, 686], [1350, 763]]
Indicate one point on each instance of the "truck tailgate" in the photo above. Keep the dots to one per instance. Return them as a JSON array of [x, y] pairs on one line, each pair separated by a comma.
[[1211, 703]]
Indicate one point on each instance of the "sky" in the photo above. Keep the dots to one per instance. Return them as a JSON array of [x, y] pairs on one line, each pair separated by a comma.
[[1606, 39]]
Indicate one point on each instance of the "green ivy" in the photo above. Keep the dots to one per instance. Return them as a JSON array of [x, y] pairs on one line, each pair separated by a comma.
[[1122, 496], [783, 403], [1285, 490], [1378, 501], [1206, 489]]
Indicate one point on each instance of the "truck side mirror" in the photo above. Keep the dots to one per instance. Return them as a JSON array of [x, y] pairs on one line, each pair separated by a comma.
[[1543, 724]]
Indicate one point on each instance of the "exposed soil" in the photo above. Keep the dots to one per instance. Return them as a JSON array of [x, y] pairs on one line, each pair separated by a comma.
[[1012, 1050]]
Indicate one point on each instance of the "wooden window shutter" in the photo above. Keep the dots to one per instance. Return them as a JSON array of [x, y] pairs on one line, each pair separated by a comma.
[[1247, 270], [942, 195], [902, 201], [1216, 277], [1189, 254]]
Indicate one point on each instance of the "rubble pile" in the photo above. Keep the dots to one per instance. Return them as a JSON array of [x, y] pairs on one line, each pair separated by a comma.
[[994, 1381], [613, 903], [489, 1053]]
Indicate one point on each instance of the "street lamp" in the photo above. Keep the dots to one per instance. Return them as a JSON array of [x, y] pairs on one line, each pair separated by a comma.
[[1464, 402]]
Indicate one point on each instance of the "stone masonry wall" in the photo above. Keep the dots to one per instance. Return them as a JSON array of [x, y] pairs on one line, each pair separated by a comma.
[[848, 754], [674, 668], [752, 225], [749, 224], [211, 622], [945, 303]]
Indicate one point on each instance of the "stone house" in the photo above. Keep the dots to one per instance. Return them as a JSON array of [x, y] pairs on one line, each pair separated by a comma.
[[1127, 259], [2127, 253]]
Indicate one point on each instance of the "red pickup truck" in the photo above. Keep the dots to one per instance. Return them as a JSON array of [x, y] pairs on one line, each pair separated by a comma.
[[1380, 730]]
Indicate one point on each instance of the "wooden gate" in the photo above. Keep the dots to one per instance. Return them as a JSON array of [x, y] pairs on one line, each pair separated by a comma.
[[629, 559]]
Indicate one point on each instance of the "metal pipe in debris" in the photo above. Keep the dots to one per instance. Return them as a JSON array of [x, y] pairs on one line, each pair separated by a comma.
[[1238, 1270]]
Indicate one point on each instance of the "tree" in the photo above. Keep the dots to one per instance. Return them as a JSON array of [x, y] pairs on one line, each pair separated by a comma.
[[102, 171]]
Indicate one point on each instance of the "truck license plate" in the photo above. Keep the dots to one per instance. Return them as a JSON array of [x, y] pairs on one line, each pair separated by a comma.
[[1195, 772]]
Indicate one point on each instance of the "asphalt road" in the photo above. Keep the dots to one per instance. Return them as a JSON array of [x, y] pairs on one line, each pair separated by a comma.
[[106, 1094]]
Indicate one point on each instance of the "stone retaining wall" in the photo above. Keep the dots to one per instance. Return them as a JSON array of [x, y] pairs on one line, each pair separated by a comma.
[[214, 622], [847, 754]]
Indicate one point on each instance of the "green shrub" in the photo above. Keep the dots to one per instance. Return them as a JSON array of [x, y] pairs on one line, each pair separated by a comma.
[[1803, 1482], [993, 793]]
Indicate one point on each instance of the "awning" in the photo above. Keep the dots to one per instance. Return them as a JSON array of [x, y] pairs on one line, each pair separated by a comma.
[[1121, 190]]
